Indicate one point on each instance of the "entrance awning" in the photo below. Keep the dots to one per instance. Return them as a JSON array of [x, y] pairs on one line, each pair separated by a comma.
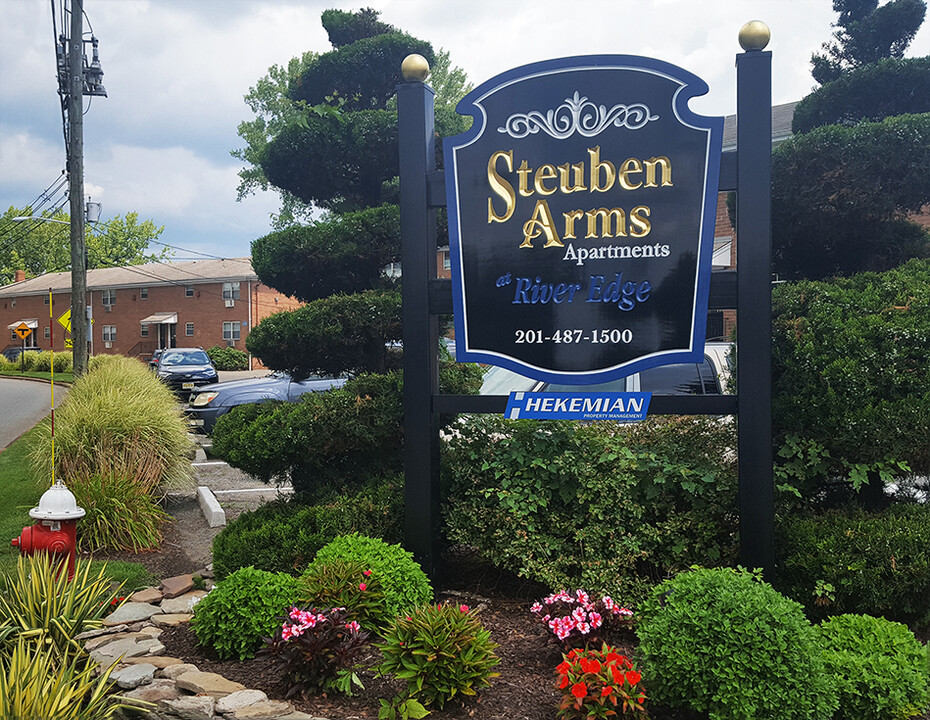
[[31, 323], [163, 318]]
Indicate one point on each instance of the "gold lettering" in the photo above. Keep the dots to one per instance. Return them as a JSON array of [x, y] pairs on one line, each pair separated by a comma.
[[564, 176], [501, 187], [639, 219], [605, 216], [570, 218], [545, 172], [596, 167], [630, 166], [524, 173], [541, 223], [651, 171]]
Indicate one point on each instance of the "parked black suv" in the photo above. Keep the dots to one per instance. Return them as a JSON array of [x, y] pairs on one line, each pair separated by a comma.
[[183, 369]]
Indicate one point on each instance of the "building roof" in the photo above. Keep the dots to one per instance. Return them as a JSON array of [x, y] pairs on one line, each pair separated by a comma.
[[193, 272], [782, 115]]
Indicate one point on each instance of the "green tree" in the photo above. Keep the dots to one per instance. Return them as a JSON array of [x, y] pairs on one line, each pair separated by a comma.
[[329, 141], [38, 246], [867, 33]]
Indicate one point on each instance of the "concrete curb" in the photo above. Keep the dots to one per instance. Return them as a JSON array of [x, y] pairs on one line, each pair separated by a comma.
[[210, 506]]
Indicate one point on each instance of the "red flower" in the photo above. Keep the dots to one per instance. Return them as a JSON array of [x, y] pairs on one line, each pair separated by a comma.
[[579, 690], [612, 657], [563, 668], [606, 690], [633, 677], [362, 586], [617, 675], [563, 682]]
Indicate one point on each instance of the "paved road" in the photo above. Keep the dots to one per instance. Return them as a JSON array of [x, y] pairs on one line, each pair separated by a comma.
[[22, 404]]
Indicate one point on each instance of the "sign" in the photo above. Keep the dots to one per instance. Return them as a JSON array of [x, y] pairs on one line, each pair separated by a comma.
[[23, 330], [621, 406], [69, 343], [582, 204], [65, 320]]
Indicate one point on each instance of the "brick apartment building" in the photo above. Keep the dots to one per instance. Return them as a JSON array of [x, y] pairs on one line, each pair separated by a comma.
[[140, 308]]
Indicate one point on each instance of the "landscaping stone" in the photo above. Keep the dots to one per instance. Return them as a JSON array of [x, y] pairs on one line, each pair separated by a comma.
[[97, 632], [263, 709], [178, 585], [126, 647], [159, 661], [175, 671], [199, 707], [159, 689], [172, 619], [204, 683], [132, 676], [130, 613], [182, 604], [239, 699], [149, 595]]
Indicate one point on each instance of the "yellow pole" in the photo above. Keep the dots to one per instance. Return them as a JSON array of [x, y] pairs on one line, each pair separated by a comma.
[[51, 324]]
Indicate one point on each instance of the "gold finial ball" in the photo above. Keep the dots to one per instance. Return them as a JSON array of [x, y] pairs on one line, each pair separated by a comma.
[[754, 35], [414, 68]]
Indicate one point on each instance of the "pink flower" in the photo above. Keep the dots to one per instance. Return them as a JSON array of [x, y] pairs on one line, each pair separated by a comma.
[[596, 619], [579, 614], [362, 586], [608, 602], [366, 573], [463, 608], [536, 608], [353, 625], [583, 628], [582, 597], [290, 631]]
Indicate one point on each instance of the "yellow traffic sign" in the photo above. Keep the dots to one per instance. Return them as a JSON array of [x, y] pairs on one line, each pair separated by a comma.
[[65, 320], [23, 330], [69, 343]]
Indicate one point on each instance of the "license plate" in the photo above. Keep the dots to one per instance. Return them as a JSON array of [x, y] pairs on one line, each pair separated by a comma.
[[197, 422], [187, 386]]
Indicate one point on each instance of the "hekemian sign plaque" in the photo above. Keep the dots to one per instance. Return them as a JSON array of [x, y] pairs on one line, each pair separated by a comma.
[[582, 204]]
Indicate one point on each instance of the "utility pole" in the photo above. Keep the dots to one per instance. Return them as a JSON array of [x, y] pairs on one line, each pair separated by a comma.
[[76, 188]]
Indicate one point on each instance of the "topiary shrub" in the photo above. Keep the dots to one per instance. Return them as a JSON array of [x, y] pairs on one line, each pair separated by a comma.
[[228, 358], [877, 563], [233, 618], [879, 668], [284, 536], [724, 643], [603, 506], [405, 584]]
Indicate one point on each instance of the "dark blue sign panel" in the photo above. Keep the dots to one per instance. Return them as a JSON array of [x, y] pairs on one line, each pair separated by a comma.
[[623, 407], [582, 204]]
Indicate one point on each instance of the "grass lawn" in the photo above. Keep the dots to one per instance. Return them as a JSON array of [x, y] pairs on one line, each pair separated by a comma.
[[21, 490], [13, 371]]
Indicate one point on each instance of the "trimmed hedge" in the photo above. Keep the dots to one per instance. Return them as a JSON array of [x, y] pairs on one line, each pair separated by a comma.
[[878, 563]]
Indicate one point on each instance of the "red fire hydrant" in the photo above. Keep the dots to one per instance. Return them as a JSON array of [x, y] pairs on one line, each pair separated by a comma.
[[54, 533]]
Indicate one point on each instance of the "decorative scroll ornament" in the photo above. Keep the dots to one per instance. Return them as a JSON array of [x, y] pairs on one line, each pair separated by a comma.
[[577, 114]]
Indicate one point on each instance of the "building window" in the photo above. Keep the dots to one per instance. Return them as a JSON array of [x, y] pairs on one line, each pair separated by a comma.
[[143, 293], [45, 299], [48, 332], [188, 291], [231, 330], [189, 329], [446, 262], [231, 291], [144, 330], [109, 333], [109, 297]]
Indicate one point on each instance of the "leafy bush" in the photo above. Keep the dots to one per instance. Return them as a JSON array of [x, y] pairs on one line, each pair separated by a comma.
[[36, 682], [440, 651], [347, 585], [723, 643], [285, 536], [599, 684], [44, 607], [42, 362], [877, 563], [241, 610], [879, 668], [604, 506], [851, 374], [577, 620], [228, 358], [317, 650], [405, 584]]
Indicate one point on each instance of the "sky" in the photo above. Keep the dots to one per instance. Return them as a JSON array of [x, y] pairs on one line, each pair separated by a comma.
[[176, 72]]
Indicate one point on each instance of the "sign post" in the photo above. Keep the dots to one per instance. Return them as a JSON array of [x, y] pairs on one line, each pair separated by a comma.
[[581, 210]]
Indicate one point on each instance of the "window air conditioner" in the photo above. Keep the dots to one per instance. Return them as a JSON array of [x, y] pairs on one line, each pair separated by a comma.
[[108, 344], [230, 303], [108, 308]]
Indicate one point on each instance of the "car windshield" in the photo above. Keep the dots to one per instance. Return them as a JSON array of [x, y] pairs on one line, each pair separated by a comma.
[[187, 358]]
